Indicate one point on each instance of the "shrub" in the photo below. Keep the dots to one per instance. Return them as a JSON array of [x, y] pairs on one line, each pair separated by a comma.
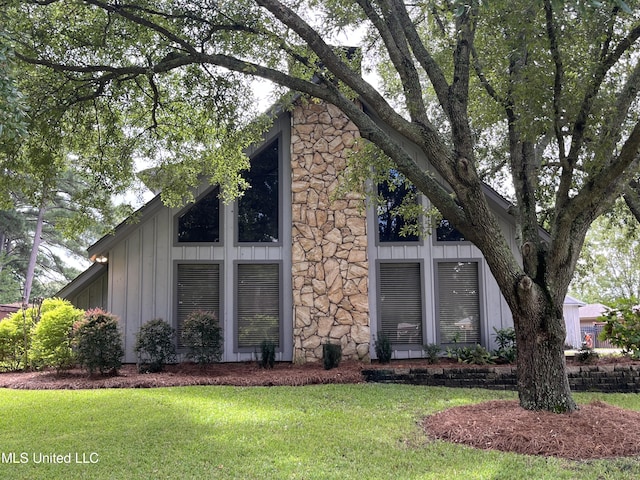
[[15, 339], [476, 355], [506, 340], [622, 329], [432, 351], [155, 346], [267, 354], [52, 335], [383, 348], [202, 335], [587, 354], [331, 355], [98, 342]]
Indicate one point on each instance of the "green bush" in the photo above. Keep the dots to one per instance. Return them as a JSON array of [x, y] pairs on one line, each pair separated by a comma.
[[587, 355], [98, 342], [267, 354], [506, 340], [383, 348], [331, 355], [202, 335], [15, 339], [622, 329], [52, 335], [476, 355], [155, 346], [432, 351]]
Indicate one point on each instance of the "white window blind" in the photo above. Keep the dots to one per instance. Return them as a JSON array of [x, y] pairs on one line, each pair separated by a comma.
[[459, 302], [198, 289], [400, 302], [258, 297]]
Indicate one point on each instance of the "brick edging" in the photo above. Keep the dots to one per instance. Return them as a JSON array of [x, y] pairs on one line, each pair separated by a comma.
[[597, 378]]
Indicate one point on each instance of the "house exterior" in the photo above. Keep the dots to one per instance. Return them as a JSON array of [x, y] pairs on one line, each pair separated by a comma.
[[293, 263], [571, 311]]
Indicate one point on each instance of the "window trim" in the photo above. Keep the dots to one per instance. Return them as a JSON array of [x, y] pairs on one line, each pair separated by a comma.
[[421, 263], [281, 179], [236, 263], [481, 310], [183, 210], [174, 322]]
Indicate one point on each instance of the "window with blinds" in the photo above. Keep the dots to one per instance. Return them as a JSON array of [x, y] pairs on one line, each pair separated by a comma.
[[400, 302], [198, 289], [458, 302], [258, 304]]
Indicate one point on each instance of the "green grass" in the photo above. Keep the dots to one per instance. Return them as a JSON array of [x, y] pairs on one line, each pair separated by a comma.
[[316, 432]]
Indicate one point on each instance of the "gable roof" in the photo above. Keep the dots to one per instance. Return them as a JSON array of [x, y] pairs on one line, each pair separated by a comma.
[[82, 280]]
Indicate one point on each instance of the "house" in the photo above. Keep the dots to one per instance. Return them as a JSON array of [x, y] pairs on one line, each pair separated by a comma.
[[8, 309], [291, 263], [571, 312], [591, 325]]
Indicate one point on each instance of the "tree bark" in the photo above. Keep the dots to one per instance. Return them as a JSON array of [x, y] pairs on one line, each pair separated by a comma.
[[542, 378], [31, 267]]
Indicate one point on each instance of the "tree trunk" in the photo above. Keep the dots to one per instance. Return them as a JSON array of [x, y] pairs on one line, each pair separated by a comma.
[[31, 267], [540, 336]]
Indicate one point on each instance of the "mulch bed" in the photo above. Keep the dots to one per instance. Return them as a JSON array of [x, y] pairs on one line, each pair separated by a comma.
[[596, 430], [186, 374]]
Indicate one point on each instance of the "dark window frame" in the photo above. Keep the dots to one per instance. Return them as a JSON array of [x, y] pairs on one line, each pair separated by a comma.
[[400, 240], [187, 208], [437, 241], [277, 140]]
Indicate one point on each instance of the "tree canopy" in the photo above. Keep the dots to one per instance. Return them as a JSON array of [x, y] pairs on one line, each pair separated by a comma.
[[544, 93]]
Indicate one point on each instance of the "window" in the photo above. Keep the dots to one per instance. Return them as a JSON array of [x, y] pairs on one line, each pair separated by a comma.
[[393, 195], [400, 302], [258, 300], [458, 302], [445, 232], [258, 208], [200, 223], [198, 289]]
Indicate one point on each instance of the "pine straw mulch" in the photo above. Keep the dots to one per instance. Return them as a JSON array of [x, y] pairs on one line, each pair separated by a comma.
[[596, 430], [186, 374]]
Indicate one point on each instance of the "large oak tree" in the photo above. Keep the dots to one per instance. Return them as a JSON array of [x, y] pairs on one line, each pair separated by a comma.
[[552, 84]]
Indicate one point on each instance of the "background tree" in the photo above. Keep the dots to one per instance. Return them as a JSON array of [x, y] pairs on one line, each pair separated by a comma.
[[552, 84], [608, 270]]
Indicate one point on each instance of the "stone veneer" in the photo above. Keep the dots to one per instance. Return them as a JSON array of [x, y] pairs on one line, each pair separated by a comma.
[[329, 238]]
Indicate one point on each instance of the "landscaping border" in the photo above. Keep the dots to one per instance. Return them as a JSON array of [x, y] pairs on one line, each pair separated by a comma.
[[593, 378]]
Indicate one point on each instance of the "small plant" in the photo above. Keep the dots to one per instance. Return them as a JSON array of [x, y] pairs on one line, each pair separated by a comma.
[[202, 335], [155, 346], [383, 348], [432, 352], [587, 354], [476, 355], [331, 355], [506, 340], [98, 342], [267, 354], [53, 334]]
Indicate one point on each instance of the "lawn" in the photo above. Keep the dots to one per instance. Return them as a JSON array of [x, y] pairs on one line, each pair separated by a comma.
[[326, 432]]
